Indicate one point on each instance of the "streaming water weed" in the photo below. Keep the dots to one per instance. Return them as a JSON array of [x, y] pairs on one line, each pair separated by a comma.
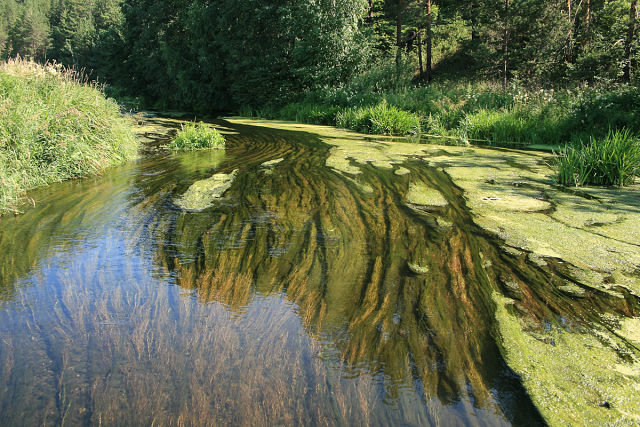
[[613, 160], [197, 136]]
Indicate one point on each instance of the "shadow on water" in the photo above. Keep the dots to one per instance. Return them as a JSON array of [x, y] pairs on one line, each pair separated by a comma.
[[291, 301]]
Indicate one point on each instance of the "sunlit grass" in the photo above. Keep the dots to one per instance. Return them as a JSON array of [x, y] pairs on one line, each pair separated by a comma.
[[197, 136], [55, 126], [482, 112], [613, 160]]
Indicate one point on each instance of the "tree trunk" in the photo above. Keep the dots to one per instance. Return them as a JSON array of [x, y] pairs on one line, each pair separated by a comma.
[[569, 57], [474, 21], [371, 10], [419, 36], [429, 40], [505, 45], [628, 51], [399, 33]]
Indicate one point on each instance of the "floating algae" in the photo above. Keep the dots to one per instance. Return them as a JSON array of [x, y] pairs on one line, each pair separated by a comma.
[[575, 378], [203, 193], [592, 233]]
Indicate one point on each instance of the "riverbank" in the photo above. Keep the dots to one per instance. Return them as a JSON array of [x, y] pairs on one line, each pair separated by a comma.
[[575, 372], [480, 112], [55, 126]]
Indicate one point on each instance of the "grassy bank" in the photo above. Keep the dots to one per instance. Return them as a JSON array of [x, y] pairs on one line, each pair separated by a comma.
[[53, 127], [483, 112]]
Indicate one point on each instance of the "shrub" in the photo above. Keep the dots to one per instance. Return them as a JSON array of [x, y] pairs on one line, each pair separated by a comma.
[[55, 126], [614, 160], [197, 136]]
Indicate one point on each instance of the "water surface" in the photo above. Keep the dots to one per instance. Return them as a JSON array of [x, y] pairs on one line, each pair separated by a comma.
[[290, 301]]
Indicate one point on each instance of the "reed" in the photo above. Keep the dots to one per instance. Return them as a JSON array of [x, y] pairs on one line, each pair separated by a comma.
[[613, 160]]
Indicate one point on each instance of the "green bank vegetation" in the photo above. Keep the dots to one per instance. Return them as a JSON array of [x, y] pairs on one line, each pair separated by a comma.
[[479, 112], [55, 126], [613, 160], [197, 136]]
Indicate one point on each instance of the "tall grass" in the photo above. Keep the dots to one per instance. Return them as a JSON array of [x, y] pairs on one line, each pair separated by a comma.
[[197, 136], [481, 111], [614, 160], [55, 126], [379, 119]]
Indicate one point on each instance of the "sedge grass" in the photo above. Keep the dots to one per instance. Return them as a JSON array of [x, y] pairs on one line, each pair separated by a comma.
[[479, 111], [613, 160], [197, 136]]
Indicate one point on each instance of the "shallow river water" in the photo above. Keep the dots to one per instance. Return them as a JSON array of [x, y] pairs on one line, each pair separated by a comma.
[[293, 300]]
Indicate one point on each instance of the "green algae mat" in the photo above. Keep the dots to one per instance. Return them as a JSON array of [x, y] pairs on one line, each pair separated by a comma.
[[309, 275]]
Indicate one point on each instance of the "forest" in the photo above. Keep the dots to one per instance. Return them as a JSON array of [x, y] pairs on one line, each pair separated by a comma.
[[225, 55]]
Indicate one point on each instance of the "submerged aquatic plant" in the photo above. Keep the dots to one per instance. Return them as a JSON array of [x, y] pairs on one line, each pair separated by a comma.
[[614, 160], [197, 136]]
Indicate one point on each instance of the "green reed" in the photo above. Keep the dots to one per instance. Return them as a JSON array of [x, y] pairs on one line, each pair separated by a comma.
[[613, 160]]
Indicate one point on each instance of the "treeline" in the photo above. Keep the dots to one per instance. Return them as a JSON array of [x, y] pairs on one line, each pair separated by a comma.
[[209, 55]]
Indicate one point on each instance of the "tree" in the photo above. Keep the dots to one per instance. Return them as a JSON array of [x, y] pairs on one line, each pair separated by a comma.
[[505, 44], [30, 34], [429, 40], [73, 31], [628, 47], [8, 15]]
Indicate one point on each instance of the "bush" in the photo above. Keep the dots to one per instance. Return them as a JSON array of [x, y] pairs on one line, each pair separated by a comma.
[[55, 126], [197, 136], [614, 160]]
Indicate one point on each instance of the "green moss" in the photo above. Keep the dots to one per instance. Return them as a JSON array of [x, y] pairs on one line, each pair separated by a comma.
[[202, 194]]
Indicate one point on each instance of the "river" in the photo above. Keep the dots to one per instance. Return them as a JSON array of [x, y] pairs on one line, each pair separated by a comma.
[[304, 296]]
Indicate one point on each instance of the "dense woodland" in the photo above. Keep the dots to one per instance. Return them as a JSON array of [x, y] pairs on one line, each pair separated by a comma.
[[227, 54]]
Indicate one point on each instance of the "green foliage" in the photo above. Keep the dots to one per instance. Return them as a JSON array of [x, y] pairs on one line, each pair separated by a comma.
[[197, 136], [379, 119], [480, 112], [221, 55], [614, 160], [54, 127]]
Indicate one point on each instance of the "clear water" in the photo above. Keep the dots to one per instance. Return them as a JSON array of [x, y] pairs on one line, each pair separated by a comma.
[[288, 302]]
